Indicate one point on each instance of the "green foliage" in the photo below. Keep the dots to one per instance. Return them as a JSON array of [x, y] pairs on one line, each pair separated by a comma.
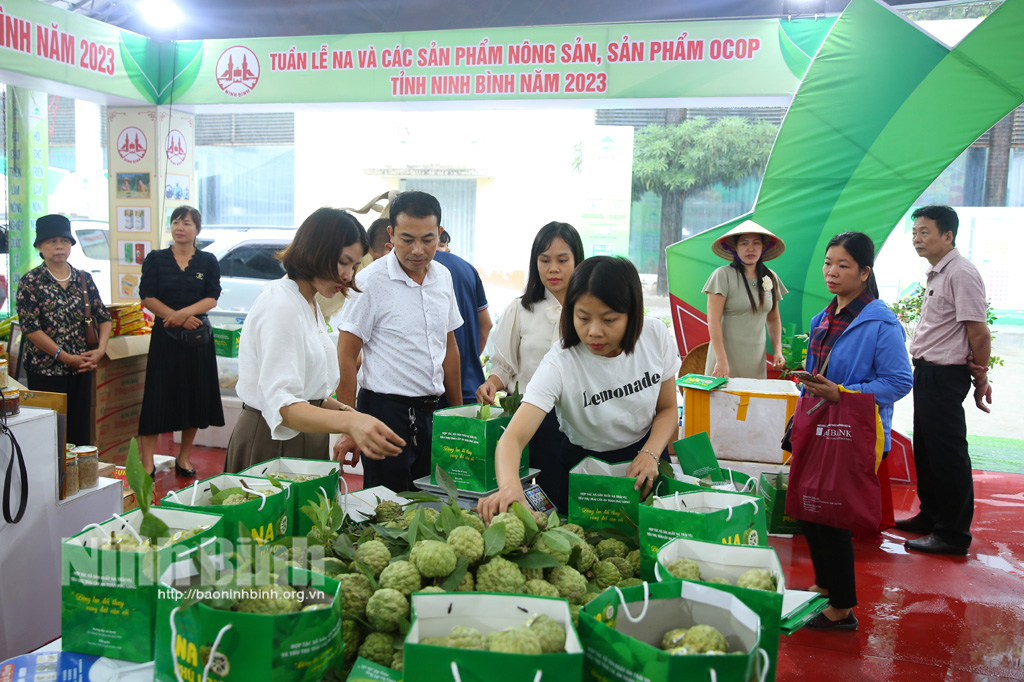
[[142, 484], [511, 402], [681, 158]]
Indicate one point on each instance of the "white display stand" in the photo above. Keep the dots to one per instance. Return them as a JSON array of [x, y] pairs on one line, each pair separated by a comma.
[[30, 550]]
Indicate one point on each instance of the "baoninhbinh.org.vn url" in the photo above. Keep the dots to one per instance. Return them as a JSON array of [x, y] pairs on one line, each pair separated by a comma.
[[233, 594]]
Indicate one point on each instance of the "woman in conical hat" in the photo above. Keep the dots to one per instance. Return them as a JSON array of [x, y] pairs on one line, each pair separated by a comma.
[[743, 300]]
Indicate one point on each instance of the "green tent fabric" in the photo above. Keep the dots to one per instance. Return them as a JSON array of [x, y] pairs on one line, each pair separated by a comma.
[[882, 111]]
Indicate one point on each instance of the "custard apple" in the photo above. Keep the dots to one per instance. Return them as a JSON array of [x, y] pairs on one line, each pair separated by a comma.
[[588, 556], [500, 575], [758, 579], [552, 635], [388, 510], [517, 640], [474, 520], [625, 568], [673, 638], [719, 581], [542, 546], [351, 636], [429, 514], [434, 641], [433, 558], [378, 647], [606, 574], [541, 519], [374, 554], [402, 576], [467, 542], [237, 498], [467, 583], [569, 582], [634, 560], [431, 589], [705, 638], [515, 531], [386, 609], [356, 590], [629, 582], [465, 637], [270, 600], [398, 662], [575, 529], [541, 588], [687, 569], [610, 547], [532, 573]]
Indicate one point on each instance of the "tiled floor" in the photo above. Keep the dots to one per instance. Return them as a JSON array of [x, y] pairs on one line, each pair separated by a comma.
[[922, 618]]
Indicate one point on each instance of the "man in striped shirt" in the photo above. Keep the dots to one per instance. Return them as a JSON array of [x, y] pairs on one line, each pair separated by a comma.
[[950, 350]]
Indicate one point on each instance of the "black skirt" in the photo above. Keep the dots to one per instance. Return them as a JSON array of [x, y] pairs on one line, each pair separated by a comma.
[[182, 390]]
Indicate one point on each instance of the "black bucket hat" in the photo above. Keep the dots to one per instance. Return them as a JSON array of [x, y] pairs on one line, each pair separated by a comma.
[[50, 226]]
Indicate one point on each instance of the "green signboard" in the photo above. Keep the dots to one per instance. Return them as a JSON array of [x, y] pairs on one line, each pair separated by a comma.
[[28, 158], [757, 58]]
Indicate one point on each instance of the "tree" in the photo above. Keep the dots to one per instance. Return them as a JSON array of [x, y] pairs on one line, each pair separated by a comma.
[[677, 159]]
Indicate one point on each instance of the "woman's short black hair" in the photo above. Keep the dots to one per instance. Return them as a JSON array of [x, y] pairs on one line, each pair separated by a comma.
[[193, 213], [553, 230], [613, 280], [318, 243]]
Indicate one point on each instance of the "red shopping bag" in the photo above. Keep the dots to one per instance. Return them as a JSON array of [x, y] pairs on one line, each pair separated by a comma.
[[836, 451]]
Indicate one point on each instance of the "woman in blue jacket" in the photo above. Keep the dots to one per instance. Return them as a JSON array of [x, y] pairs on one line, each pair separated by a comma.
[[856, 342]]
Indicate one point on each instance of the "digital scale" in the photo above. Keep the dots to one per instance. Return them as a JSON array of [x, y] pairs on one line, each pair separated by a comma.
[[468, 499]]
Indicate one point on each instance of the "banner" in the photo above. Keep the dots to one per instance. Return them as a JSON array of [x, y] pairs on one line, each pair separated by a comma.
[[729, 58], [28, 157]]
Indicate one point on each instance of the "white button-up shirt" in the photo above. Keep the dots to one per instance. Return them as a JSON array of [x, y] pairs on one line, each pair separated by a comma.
[[403, 326], [522, 339]]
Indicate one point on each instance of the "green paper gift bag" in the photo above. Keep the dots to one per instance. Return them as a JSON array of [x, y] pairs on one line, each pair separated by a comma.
[[368, 671], [601, 497], [721, 517], [733, 481], [310, 480], [773, 492], [266, 517], [434, 615], [697, 457], [622, 630], [198, 643], [463, 446], [729, 562], [108, 596]]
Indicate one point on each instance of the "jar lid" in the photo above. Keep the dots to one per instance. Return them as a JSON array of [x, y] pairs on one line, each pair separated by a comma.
[[3, 361], [70, 457], [9, 392], [86, 450], [68, 447]]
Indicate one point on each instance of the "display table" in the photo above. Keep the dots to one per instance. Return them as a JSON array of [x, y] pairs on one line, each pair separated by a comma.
[[30, 550], [745, 418]]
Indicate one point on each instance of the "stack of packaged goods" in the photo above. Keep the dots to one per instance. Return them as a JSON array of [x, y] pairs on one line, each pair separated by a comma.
[[129, 319]]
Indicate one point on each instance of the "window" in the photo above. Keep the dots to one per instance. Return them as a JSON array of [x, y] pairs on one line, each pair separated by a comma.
[[94, 243], [252, 261]]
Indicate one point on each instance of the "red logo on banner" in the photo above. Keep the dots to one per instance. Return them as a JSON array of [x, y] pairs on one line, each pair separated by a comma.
[[176, 147], [238, 71], [131, 145]]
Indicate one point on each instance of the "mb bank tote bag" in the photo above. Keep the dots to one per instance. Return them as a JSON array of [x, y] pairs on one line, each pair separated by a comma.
[[836, 451]]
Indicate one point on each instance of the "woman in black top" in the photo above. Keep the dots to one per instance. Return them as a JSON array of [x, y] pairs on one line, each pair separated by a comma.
[[51, 311], [180, 284]]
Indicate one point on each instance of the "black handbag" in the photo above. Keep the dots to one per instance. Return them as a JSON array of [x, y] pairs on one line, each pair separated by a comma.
[[191, 338]]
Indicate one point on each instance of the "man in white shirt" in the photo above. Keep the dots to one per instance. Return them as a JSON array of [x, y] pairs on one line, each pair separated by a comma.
[[403, 323]]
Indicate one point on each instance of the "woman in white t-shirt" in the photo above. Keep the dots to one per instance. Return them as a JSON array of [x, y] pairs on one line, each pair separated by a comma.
[[529, 326], [287, 363], [611, 381]]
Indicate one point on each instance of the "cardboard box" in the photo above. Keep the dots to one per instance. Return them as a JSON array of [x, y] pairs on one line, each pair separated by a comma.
[[225, 340], [118, 385]]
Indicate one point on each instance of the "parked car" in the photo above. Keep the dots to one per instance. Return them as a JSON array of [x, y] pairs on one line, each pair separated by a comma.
[[246, 256]]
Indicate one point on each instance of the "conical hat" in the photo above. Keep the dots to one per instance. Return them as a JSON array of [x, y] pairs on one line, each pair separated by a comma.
[[724, 246]]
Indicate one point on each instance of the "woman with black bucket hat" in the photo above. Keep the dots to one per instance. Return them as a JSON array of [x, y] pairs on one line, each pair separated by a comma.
[[51, 309]]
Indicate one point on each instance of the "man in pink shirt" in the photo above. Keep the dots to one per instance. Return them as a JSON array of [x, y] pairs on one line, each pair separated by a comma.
[[950, 350]]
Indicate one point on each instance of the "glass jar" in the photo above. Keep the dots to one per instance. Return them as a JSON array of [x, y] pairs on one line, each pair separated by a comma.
[[70, 474], [11, 400], [4, 377], [88, 466]]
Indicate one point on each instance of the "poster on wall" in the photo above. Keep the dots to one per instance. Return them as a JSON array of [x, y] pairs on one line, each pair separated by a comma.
[[176, 187], [133, 219], [128, 285], [132, 253], [133, 185]]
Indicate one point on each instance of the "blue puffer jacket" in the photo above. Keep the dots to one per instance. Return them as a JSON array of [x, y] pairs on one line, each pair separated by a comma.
[[871, 357]]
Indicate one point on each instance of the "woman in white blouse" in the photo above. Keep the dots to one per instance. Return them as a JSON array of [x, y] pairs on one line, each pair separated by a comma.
[[287, 364], [529, 327]]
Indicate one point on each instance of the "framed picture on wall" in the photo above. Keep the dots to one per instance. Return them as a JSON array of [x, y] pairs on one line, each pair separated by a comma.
[[133, 185], [132, 253], [133, 219], [176, 187]]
